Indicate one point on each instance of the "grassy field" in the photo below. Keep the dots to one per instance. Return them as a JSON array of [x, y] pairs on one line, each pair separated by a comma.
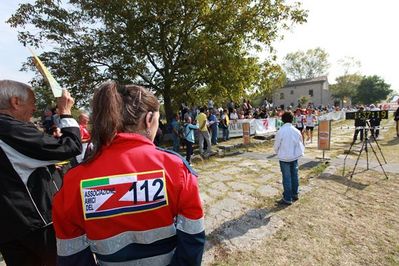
[[341, 221]]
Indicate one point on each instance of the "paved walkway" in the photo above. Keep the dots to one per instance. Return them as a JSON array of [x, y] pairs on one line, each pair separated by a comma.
[[234, 198]]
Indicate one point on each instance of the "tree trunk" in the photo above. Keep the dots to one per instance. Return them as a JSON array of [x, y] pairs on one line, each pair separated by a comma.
[[168, 104]]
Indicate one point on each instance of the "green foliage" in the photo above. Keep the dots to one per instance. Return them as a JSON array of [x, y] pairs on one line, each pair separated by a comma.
[[303, 65], [303, 100], [44, 97], [345, 87], [175, 48], [273, 78], [372, 89]]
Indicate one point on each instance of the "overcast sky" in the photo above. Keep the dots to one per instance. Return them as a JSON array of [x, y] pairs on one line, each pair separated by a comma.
[[363, 29]]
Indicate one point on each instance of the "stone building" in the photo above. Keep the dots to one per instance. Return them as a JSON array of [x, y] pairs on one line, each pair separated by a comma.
[[316, 90]]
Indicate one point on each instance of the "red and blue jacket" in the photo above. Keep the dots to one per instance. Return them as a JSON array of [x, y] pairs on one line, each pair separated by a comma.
[[133, 204]]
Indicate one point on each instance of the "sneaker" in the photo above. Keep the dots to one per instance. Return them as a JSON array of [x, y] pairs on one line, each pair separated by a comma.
[[284, 202], [295, 198]]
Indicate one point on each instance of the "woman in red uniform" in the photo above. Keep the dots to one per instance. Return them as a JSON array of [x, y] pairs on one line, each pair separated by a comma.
[[130, 202]]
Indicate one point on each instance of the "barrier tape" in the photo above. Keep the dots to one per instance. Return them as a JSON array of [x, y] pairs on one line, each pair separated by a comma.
[[368, 128]]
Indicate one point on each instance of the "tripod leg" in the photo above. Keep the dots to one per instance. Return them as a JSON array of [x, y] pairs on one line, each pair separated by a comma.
[[379, 162], [367, 152], [357, 161], [375, 140], [379, 148], [350, 148]]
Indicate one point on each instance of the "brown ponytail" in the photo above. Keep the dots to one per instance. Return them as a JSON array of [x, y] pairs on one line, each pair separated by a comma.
[[119, 109], [106, 116]]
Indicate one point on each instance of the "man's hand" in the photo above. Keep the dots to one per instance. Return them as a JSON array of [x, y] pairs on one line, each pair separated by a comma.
[[65, 103]]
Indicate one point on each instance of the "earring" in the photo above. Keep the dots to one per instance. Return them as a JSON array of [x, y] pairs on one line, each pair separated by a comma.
[[148, 133]]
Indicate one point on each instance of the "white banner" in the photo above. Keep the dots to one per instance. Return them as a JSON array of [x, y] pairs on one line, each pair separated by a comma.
[[235, 128], [333, 116], [258, 127], [264, 126]]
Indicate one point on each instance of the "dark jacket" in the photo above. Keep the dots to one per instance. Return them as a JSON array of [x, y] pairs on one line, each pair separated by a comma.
[[27, 186], [360, 120], [396, 115]]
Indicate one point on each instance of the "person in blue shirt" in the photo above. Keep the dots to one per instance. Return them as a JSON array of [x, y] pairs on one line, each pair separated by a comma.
[[213, 124], [189, 137]]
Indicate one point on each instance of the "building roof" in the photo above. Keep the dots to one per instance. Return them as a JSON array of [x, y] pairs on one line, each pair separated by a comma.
[[300, 82]]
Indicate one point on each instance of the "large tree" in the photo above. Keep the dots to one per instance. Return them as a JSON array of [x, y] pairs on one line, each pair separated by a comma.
[[345, 88], [273, 78], [372, 89], [174, 47], [304, 65]]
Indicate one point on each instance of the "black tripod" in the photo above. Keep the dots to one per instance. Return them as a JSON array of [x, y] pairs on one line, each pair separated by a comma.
[[365, 144]]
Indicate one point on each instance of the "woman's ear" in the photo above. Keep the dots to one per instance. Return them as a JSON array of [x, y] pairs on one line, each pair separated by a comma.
[[148, 119]]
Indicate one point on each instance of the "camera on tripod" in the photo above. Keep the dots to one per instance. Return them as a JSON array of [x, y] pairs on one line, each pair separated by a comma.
[[365, 121]]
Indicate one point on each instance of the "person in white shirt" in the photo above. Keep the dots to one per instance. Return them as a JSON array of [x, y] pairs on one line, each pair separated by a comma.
[[311, 120], [299, 121], [289, 148], [233, 115]]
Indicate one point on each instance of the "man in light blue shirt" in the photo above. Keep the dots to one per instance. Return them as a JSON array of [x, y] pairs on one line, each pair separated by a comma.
[[189, 137]]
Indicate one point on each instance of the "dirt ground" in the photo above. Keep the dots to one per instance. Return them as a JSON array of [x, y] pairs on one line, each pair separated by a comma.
[[339, 220], [335, 224]]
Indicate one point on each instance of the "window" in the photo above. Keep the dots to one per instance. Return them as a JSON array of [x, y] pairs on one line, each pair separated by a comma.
[[281, 95], [292, 92], [311, 93]]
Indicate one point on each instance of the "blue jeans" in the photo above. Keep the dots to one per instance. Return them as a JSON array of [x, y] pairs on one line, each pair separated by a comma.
[[176, 142], [214, 129], [225, 133], [290, 179]]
